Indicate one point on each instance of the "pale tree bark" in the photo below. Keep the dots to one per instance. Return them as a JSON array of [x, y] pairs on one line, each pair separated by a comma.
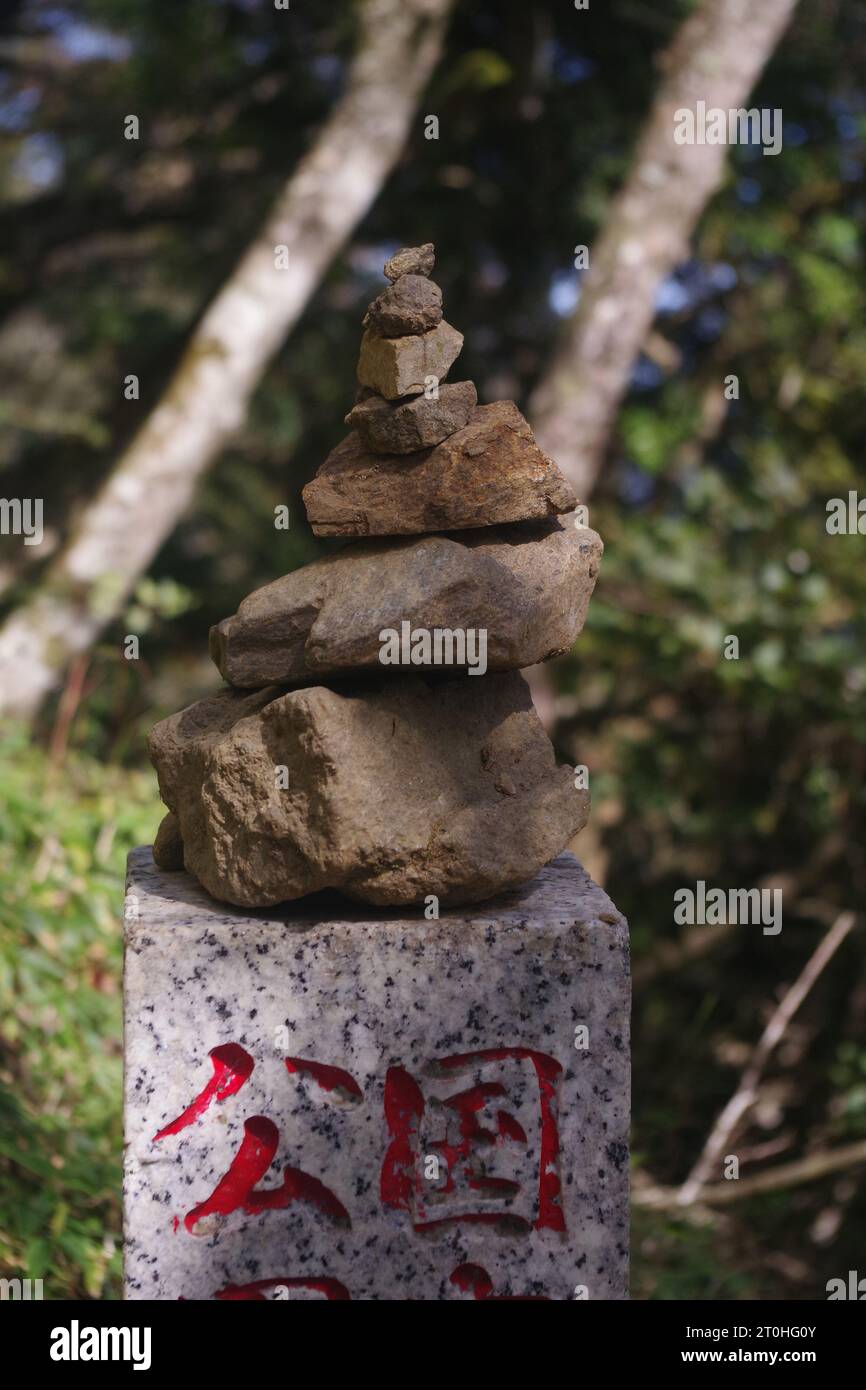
[[716, 57], [147, 492]]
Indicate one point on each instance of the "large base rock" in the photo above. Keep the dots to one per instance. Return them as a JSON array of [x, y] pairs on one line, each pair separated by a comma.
[[490, 472], [527, 588], [391, 795]]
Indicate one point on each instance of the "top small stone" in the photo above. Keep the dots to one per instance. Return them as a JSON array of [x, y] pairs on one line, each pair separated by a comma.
[[412, 260]]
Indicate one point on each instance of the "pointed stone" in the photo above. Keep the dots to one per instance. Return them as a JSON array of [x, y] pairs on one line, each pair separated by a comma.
[[412, 260], [405, 366], [404, 427], [526, 587], [488, 473], [389, 794]]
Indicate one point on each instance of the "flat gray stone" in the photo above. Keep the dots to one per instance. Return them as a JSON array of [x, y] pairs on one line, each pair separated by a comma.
[[527, 588], [388, 792], [404, 427], [360, 1060], [396, 367]]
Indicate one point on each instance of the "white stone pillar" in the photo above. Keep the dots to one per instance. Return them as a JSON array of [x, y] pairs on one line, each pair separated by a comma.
[[328, 1102]]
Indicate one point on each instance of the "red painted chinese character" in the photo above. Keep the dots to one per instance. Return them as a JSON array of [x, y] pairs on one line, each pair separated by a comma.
[[473, 1135], [237, 1190], [474, 1279], [257, 1292], [232, 1066]]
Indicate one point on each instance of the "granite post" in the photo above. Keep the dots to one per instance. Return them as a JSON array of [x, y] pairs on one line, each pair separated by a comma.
[[329, 1101]]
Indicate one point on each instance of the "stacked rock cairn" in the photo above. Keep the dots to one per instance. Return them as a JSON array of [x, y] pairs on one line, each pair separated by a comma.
[[376, 736]]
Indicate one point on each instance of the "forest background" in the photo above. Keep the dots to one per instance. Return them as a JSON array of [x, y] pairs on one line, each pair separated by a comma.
[[745, 772]]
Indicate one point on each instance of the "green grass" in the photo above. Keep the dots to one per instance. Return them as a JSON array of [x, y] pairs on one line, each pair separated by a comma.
[[66, 832]]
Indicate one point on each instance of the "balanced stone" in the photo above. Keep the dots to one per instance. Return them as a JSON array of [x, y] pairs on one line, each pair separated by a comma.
[[404, 427], [412, 305], [391, 795], [334, 1104], [412, 260], [491, 471], [397, 367], [526, 588]]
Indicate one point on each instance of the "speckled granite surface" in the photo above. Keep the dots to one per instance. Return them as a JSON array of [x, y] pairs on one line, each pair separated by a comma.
[[376, 1106]]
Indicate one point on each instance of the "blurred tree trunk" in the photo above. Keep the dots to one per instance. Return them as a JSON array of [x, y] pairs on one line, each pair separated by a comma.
[[147, 492], [717, 57]]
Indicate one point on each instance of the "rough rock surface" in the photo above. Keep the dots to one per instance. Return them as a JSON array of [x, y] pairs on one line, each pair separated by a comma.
[[490, 472], [404, 427], [412, 260], [392, 795], [168, 845], [412, 305], [397, 367], [528, 587]]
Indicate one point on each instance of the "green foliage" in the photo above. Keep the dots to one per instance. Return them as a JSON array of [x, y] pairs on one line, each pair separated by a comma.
[[848, 1075], [67, 830], [155, 599], [676, 1260]]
